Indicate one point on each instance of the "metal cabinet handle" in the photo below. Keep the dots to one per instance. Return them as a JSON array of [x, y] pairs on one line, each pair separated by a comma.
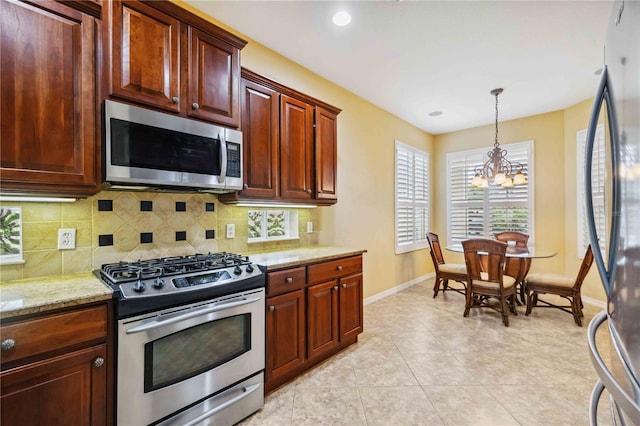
[[195, 105], [175, 99], [98, 362], [308, 191], [319, 191], [335, 288], [289, 280], [272, 308], [7, 344], [339, 268], [344, 285], [245, 186]]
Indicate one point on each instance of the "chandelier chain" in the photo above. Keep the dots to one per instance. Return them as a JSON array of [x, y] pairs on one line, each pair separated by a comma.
[[495, 144]]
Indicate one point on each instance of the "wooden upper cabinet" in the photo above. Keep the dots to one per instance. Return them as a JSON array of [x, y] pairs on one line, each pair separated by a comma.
[[260, 132], [326, 159], [48, 136], [165, 57], [214, 72], [145, 55], [296, 149]]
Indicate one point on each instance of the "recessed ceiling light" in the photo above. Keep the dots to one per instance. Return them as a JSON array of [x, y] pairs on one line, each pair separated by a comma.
[[435, 113], [341, 18]]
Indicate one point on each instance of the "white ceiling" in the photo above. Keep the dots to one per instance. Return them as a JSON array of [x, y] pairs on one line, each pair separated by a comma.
[[414, 57]]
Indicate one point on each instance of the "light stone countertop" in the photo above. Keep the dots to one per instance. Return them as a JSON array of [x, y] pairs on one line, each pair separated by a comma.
[[301, 256], [43, 294]]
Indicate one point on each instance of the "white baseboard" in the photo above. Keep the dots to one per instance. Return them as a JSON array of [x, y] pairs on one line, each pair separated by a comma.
[[397, 288], [594, 302]]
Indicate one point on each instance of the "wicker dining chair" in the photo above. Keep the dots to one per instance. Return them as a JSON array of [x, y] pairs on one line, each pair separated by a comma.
[[445, 271], [488, 281], [560, 285], [516, 267]]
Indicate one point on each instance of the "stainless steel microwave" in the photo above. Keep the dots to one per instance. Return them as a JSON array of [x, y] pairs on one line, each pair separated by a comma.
[[145, 148]]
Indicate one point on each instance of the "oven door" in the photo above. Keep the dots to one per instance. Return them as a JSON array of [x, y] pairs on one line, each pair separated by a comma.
[[170, 359]]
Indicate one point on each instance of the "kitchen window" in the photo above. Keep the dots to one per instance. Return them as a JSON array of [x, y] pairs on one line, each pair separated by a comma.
[[483, 212], [412, 173], [598, 179]]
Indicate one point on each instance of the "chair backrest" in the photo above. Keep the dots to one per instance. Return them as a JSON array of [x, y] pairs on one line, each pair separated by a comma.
[[436, 250], [584, 267], [493, 265], [520, 238]]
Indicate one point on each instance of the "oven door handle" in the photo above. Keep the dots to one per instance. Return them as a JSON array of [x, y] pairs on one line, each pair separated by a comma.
[[207, 310], [246, 391]]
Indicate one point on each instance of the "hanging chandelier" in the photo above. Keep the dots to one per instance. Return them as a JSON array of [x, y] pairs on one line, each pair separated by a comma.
[[498, 169]]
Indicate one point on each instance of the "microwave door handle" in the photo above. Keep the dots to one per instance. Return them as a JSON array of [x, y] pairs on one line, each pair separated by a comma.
[[223, 158], [206, 310]]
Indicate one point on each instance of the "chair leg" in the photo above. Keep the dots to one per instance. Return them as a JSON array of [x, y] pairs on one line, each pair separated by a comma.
[[445, 285], [436, 286], [529, 303], [575, 308], [467, 301], [505, 313], [513, 302]]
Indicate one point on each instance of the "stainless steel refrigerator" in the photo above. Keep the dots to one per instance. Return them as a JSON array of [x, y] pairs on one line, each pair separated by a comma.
[[619, 263]]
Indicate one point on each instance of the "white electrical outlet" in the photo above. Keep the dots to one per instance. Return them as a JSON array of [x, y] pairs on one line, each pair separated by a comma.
[[66, 239], [309, 227], [231, 230]]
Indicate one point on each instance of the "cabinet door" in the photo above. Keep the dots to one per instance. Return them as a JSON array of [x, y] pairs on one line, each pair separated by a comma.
[[326, 155], [47, 99], [285, 333], [260, 119], [214, 70], [296, 149], [322, 317], [145, 55], [351, 306], [66, 390]]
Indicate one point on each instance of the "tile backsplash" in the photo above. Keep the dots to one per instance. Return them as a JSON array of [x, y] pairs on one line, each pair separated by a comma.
[[113, 226]]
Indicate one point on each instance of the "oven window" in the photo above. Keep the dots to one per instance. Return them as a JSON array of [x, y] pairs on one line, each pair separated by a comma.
[[194, 350]]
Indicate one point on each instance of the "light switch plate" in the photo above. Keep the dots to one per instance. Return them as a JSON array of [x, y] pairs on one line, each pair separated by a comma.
[[66, 239], [309, 227], [231, 230]]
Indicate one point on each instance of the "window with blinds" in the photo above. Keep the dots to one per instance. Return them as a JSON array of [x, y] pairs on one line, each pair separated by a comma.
[[598, 179], [412, 198], [483, 212]]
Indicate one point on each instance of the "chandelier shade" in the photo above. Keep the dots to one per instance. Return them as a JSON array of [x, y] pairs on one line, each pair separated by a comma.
[[498, 170]]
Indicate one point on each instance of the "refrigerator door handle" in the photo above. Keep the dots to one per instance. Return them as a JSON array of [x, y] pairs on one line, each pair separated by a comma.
[[604, 94], [622, 399]]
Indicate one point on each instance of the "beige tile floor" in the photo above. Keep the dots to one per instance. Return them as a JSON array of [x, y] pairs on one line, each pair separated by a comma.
[[420, 362]]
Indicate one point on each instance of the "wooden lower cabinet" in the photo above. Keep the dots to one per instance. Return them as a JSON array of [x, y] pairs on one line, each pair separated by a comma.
[[56, 369], [66, 390], [313, 321], [285, 333]]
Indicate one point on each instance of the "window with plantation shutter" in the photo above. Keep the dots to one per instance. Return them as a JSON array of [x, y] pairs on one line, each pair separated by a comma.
[[598, 179], [483, 212], [412, 198]]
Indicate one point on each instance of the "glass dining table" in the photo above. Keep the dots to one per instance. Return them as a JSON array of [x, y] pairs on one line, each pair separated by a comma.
[[521, 269]]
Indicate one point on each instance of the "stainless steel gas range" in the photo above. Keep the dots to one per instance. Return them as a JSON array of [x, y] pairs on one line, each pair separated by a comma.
[[190, 339]]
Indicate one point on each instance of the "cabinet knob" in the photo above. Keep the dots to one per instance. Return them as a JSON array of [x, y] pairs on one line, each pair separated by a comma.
[[308, 191], [245, 186], [195, 105], [335, 288], [175, 99], [272, 308], [7, 344], [98, 362], [339, 268], [319, 191], [289, 280], [344, 285]]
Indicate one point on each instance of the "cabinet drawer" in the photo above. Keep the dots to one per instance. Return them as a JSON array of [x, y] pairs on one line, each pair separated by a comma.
[[286, 280], [39, 335], [334, 269]]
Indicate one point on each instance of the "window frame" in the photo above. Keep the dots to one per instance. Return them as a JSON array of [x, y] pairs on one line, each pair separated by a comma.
[[419, 240], [469, 156]]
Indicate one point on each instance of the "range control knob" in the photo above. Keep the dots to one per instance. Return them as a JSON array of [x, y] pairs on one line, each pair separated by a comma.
[[158, 283], [249, 268], [237, 270], [139, 286]]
